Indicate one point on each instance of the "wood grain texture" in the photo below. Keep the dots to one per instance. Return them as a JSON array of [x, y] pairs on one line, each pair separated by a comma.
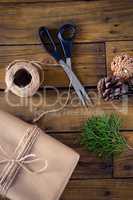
[[104, 29], [33, 1], [72, 117], [95, 20], [106, 189], [123, 165], [89, 165], [116, 48], [88, 63], [98, 189]]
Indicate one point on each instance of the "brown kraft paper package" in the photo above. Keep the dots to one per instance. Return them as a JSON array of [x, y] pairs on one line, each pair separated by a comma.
[[47, 185]]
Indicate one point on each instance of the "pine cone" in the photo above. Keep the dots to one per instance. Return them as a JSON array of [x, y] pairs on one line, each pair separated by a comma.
[[110, 88], [122, 66]]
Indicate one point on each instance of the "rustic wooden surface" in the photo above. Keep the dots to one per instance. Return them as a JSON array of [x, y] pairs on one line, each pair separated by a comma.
[[88, 67], [104, 29]]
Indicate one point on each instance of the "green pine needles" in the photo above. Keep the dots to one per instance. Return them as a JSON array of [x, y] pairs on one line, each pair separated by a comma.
[[101, 135]]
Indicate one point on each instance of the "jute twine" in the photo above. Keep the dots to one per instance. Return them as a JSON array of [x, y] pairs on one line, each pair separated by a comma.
[[18, 160], [34, 68], [37, 72]]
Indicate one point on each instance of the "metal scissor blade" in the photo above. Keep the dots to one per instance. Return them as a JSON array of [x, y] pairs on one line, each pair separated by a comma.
[[85, 96], [89, 100], [75, 82], [68, 62], [78, 92], [80, 96]]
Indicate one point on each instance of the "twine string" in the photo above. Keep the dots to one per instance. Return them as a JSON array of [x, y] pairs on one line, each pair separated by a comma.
[[32, 88], [43, 113], [32, 158], [34, 68], [20, 159]]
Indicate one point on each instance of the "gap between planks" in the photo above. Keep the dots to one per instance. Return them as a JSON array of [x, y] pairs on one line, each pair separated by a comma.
[[96, 20], [39, 1], [99, 189], [88, 63], [72, 117], [102, 189]]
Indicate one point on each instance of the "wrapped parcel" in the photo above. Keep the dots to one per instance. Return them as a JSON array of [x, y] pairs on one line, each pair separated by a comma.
[[33, 165]]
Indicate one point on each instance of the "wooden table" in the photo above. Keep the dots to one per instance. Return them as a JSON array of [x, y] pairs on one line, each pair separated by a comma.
[[104, 29]]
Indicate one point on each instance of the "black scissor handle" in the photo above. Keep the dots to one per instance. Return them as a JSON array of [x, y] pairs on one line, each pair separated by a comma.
[[67, 32], [66, 35], [48, 42]]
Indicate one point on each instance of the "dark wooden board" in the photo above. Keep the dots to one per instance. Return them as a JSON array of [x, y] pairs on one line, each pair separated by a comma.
[[88, 63], [98, 189], [95, 20], [123, 165], [104, 29], [70, 118], [89, 165], [105, 189], [33, 1]]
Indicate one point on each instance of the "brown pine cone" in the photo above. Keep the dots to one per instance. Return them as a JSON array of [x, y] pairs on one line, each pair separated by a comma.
[[122, 66], [110, 88]]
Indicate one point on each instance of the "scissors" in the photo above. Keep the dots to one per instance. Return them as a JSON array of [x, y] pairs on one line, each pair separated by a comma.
[[62, 54]]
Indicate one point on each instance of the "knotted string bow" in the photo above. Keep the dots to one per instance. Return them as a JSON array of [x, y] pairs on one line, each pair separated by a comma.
[[28, 159], [20, 158]]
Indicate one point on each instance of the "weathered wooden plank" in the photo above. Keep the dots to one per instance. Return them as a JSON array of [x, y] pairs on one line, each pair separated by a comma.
[[98, 189], [116, 48], [88, 63], [72, 117], [89, 165], [111, 189], [123, 165], [33, 1], [95, 20]]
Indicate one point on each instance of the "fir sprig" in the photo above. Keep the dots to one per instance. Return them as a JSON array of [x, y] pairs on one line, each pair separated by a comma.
[[101, 135]]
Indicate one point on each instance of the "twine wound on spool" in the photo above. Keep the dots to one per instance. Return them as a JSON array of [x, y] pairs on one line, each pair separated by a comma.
[[23, 78]]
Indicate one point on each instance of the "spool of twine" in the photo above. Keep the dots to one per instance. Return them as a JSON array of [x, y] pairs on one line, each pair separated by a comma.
[[24, 77]]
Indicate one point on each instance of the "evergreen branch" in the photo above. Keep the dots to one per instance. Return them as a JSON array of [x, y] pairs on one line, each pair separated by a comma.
[[101, 135]]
